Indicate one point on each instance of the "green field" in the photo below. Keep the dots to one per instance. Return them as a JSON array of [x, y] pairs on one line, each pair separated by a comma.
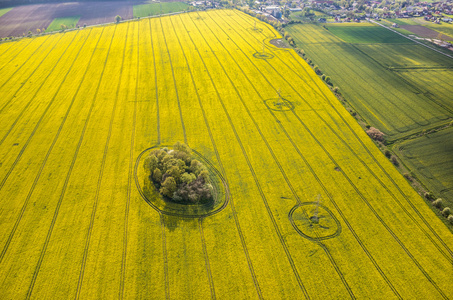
[[152, 9], [398, 88], [430, 157], [366, 34], [70, 22], [4, 10], [308, 207]]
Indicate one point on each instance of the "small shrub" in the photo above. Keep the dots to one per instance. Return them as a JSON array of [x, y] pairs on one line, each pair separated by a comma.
[[407, 176], [387, 153], [353, 113], [450, 219], [438, 203], [118, 18], [367, 126], [84, 25], [446, 211], [323, 77], [375, 134], [395, 161]]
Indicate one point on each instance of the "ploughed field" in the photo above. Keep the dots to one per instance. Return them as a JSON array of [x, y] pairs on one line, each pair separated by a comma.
[[311, 208]]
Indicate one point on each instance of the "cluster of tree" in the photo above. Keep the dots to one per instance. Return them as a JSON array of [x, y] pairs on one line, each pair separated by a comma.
[[178, 175]]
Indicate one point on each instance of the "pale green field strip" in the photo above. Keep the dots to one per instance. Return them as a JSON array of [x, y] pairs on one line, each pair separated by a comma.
[[366, 34], [152, 9], [385, 98], [70, 22], [75, 225], [430, 159], [4, 11]]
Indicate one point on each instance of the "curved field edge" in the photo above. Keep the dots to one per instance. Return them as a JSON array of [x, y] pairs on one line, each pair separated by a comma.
[[75, 218]]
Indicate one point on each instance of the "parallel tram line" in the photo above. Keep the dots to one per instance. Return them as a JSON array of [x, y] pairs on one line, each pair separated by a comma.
[[450, 258], [340, 274], [174, 82], [130, 174], [32, 98], [200, 220], [323, 186], [68, 176], [35, 182], [258, 290], [101, 172], [19, 51], [236, 220], [373, 157], [258, 185], [49, 105], [25, 61], [427, 276]]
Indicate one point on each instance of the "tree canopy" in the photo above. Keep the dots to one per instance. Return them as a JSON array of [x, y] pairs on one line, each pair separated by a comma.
[[178, 175]]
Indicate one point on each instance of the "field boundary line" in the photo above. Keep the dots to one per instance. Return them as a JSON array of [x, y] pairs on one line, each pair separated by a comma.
[[19, 156], [236, 220], [101, 171], [415, 41], [35, 182], [66, 182], [174, 83], [130, 174], [363, 145], [263, 196], [34, 95]]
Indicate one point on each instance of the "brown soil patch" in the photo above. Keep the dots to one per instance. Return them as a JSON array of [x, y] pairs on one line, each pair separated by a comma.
[[425, 32]]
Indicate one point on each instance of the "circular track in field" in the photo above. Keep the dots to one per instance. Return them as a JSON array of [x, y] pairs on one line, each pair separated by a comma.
[[314, 222], [279, 104], [150, 194], [263, 55]]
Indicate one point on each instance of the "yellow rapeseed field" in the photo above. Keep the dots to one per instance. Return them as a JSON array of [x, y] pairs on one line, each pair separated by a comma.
[[312, 208]]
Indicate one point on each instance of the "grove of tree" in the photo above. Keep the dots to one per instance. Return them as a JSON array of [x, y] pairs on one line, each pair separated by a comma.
[[178, 175]]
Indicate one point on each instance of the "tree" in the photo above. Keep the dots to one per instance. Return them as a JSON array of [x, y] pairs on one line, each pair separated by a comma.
[[38, 31], [286, 13], [168, 187], [157, 175], [375, 134], [63, 27], [118, 18], [327, 79]]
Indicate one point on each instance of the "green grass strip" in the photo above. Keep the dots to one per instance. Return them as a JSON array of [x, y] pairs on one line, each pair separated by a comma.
[[153, 9], [4, 10], [70, 22]]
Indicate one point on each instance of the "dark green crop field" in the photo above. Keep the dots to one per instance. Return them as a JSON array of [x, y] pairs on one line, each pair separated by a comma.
[[400, 88], [366, 34], [430, 157]]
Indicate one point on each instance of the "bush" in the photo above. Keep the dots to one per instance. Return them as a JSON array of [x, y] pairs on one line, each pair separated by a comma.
[[438, 203], [375, 134], [408, 176], [387, 153], [446, 211], [118, 18], [395, 161], [450, 218]]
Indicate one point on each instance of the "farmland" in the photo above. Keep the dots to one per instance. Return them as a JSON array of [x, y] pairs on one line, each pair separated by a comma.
[[395, 92], [430, 158], [152, 9], [69, 22], [80, 109]]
